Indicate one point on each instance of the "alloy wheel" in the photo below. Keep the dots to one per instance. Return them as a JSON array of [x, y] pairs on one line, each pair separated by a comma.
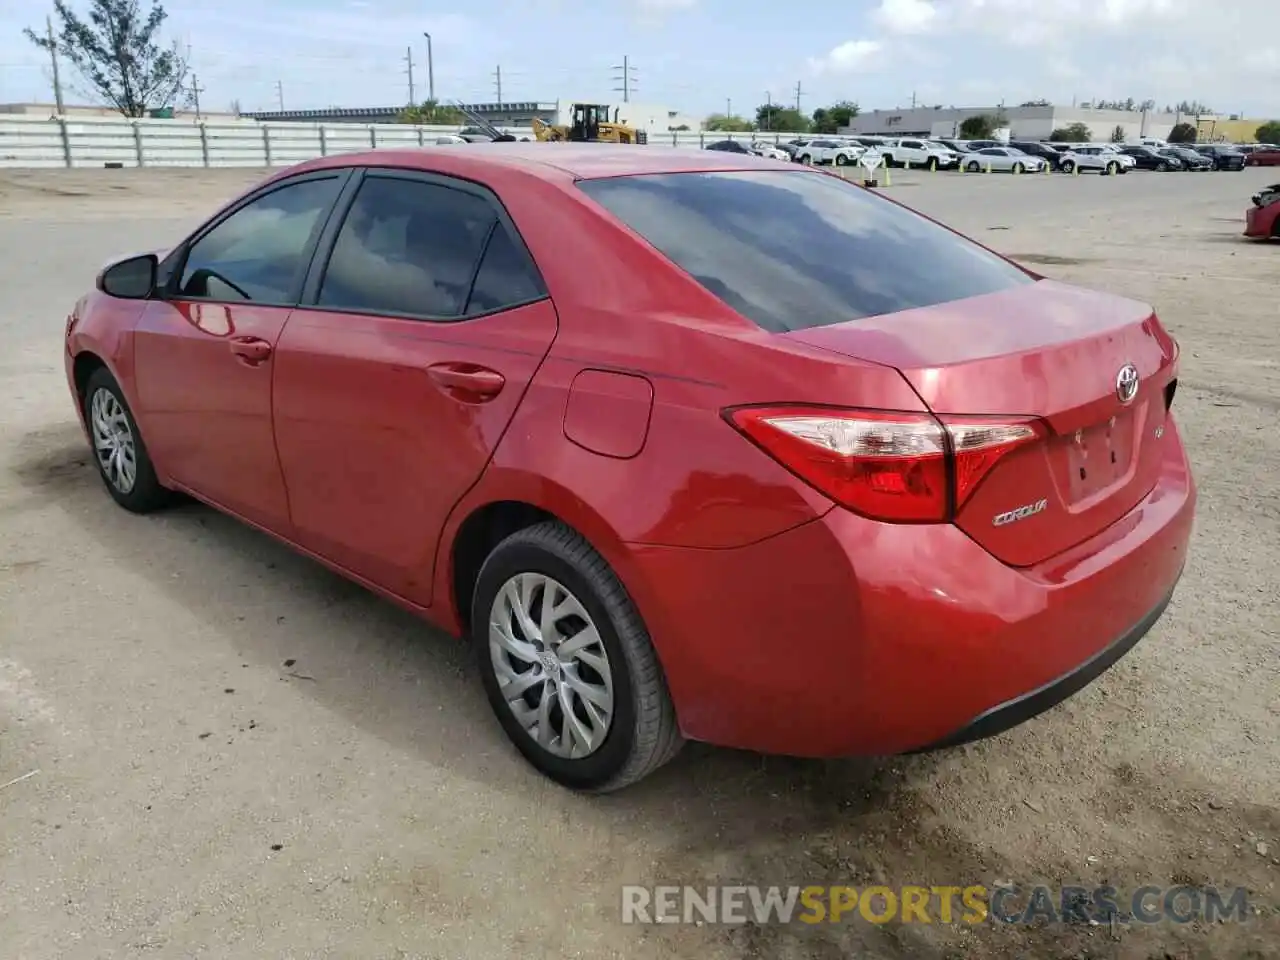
[[113, 440], [551, 664]]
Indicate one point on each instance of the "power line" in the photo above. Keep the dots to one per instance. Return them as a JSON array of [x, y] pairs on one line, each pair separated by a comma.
[[625, 75]]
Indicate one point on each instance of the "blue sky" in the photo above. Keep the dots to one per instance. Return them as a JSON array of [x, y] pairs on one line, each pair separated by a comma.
[[698, 55]]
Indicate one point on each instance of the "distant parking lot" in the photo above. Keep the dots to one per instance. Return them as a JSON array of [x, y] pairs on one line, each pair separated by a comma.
[[212, 747]]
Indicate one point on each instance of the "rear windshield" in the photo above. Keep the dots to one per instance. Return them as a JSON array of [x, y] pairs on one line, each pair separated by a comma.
[[796, 250]]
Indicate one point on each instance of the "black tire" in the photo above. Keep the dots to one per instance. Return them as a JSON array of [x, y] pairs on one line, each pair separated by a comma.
[[1162, 166], [146, 494], [974, 167], [1112, 169], [841, 160], [643, 734], [1068, 166], [1019, 168]]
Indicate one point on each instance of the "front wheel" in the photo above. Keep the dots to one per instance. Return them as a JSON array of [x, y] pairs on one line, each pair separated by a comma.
[[1068, 167], [1018, 168], [118, 451], [932, 165], [973, 167], [841, 160], [567, 663], [1162, 167], [806, 159], [1112, 169]]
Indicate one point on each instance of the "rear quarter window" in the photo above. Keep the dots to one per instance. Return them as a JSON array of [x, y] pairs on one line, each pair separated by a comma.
[[791, 251]]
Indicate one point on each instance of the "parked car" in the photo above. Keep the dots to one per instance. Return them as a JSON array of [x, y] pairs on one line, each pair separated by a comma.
[[1002, 160], [959, 146], [1265, 155], [450, 139], [789, 148], [1190, 159], [731, 146], [1093, 157], [1127, 162], [770, 151], [1148, 158], [1036, 149], [822, 150], [1262, 219], [1224, 156], [919, 153], [615, 422]]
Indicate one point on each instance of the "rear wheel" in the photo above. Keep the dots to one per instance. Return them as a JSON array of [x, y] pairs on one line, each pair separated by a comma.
[[567, 662], [118, 451], [932, 164], [1162, 166]]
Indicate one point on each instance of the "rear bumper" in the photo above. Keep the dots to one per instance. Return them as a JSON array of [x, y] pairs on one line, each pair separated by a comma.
[[849, 637], [1259, 222]]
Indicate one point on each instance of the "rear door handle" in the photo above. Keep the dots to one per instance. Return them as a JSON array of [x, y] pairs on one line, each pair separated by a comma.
[[467, 382], [250, 350]]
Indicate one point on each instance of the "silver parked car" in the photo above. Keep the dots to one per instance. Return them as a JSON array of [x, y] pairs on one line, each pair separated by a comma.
[[1002, 160]]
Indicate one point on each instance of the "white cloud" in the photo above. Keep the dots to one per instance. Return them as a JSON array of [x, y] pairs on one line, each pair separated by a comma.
[[849, 57], [905, 16]]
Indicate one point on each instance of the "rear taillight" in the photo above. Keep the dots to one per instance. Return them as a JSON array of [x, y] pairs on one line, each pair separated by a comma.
[[897, 467]]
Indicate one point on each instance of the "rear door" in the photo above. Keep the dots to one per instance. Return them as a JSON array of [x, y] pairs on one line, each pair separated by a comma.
[[422, 321], [204, 349]]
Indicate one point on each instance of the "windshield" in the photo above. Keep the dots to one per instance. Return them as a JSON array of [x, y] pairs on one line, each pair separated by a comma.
[[791, 250]]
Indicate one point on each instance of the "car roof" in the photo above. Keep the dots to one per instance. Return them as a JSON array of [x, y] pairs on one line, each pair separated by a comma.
[[548, 161]]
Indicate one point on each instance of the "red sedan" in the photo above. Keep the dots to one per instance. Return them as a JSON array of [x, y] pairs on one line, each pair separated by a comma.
[[1264, 156], [687, 444], [1262, 220]]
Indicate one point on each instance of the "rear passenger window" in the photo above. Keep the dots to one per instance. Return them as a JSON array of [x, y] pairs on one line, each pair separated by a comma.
[[506, 278], [407, 248]]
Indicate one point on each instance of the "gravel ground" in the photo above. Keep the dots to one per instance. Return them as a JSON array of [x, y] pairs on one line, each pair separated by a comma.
[[238, 755]]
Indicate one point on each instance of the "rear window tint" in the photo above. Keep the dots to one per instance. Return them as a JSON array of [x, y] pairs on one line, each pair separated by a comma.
[[796, 250]]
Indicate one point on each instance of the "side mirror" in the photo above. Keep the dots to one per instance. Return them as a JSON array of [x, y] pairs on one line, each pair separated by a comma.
[[131, 279]]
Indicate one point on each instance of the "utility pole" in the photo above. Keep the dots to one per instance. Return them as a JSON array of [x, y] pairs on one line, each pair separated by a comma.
[[626, 77], [280, 95], [431, 71], [768, 108], [196, 90], [913, 99], [408, 60], [497, 79], [799, 94], [53, 55], [728, 107]]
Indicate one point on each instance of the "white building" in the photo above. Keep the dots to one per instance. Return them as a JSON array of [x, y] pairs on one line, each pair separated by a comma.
[[1025, 123]]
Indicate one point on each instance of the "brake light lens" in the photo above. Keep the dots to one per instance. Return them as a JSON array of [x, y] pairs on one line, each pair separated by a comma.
[[886, 465]]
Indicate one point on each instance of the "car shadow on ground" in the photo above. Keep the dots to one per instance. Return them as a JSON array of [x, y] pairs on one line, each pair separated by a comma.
[[719, 816]]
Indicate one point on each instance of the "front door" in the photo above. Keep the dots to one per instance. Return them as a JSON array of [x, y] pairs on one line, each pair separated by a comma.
[[397, 375], [204, 352]]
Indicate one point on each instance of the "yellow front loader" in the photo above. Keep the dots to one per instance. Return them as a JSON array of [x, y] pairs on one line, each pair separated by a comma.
[[591, 124]]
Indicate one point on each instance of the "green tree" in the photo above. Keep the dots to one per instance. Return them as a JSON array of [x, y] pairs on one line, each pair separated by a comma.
[[831, 119], [118, 53], [430, 113], [1072, 133], [726, 123], [772, 117], [978, 127], [1117, 135], [1183, 133], [1269, 132]]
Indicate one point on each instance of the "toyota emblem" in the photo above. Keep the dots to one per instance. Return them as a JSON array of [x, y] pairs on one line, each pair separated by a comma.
[[1127, 383]]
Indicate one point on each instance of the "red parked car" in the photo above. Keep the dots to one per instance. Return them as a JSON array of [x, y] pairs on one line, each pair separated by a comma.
[[688, 444], [1264, 156], [1262, 220]]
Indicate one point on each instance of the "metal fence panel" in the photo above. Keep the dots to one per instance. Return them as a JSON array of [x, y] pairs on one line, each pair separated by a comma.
[[97, 142]]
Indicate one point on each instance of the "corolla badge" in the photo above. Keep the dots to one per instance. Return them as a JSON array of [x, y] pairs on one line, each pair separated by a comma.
[[1127, 383], [1012, 516]]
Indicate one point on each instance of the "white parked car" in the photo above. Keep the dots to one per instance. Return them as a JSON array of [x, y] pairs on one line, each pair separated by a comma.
[[450, 139], [919, 153], [1002, 160], [840, 152], [769, 151], [1084, 157]]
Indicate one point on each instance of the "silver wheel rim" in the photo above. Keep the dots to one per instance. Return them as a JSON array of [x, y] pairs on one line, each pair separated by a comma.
[[551, 665], [113, 440]]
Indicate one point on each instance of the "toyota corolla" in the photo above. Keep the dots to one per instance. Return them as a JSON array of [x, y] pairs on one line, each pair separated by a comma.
[[688, 445]]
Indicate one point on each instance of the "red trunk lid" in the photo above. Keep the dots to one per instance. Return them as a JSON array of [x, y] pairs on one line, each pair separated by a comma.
[[1045, 350]]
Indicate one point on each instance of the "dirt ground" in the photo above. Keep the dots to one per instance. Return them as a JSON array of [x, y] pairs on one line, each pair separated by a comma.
[[235, 754]]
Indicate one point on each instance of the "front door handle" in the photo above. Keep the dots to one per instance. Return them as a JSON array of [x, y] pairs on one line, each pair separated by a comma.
[[467, 382], [250, 350]]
